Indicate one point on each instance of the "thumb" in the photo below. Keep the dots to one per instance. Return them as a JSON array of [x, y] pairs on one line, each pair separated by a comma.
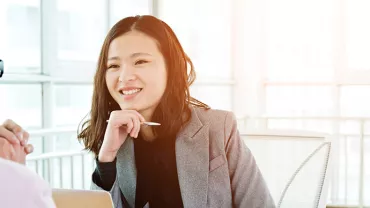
[[28, 149]]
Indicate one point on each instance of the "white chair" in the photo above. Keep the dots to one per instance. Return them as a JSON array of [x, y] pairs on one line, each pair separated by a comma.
[[295, 165]]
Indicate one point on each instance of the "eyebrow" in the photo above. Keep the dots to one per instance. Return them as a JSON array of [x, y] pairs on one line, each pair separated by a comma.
[[132, 56]]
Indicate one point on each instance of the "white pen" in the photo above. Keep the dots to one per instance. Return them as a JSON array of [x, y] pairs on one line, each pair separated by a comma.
[[148, 123]]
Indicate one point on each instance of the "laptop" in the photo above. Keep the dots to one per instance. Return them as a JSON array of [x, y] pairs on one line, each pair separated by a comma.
[[73, 198]]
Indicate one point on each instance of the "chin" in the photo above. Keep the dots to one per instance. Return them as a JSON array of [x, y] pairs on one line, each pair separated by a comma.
[[129, 107], [137, 107]]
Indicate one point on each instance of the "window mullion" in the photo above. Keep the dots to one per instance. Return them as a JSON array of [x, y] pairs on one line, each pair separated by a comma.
[[48, 64]]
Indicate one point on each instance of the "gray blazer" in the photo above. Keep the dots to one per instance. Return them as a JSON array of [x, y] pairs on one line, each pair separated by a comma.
[[215, 167]]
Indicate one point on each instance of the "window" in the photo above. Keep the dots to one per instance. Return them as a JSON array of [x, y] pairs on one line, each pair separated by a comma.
[[357, 42], [299, 100], [299, 45], [310, 65], [80, 35], [72, 104], [23, 103], [50, 49], [199, 28], [123, 8], [216, 96], [354, 101], [20, 53]]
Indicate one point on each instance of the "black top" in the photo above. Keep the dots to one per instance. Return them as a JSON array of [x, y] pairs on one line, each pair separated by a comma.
[[157, 179]]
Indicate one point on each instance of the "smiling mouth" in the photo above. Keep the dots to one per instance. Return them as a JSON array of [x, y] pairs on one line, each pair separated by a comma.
[[130, 92]]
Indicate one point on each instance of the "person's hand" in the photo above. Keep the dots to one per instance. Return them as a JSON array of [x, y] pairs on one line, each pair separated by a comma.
[[14, 142], [14, 152], [121, 124]]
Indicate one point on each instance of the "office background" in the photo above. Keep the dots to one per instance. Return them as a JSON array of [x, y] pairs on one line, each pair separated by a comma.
[[285, 64]]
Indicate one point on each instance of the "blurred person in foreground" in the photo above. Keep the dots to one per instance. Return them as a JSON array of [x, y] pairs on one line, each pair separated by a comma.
[[195, 158], [19, 186]]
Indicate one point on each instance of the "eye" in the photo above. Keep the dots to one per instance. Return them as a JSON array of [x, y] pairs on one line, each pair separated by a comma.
[[113, 66], [138, 62]]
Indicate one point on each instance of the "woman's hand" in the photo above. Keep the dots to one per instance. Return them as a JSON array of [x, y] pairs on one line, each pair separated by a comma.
[[13, 142], [121, 124]]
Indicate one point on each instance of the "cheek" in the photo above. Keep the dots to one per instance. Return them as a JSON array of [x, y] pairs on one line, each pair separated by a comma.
[[156, 84], [161, 79], [162, 76], [109, 81]]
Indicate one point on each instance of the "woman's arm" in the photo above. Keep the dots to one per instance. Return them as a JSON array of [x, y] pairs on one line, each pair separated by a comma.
[[104, 178], [248, 186]]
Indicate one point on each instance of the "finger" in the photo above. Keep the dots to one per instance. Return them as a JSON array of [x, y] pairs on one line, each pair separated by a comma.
[[6, 149], [15, 128], [19, 151], [130, 125], [4, 154], [137, 127], [141, 118], [26, 136], [22, 157], [28, 149], [134, 128], [135, 116], [8, 135], [136, 122]]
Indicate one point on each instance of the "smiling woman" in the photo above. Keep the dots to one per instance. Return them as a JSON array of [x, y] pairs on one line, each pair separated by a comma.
[[195, 158], [136, 72]]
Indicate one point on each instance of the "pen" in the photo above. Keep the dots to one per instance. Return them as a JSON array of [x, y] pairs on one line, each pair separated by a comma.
[[148, 123]]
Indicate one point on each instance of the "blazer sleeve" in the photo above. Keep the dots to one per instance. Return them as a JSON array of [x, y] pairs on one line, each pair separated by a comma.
[[248, 186]]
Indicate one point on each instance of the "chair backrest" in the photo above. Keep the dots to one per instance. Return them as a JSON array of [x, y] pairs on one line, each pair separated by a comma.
[[294, 165], [72, 198]]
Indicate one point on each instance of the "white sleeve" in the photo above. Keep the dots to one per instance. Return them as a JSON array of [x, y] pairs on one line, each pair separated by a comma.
[[42, 194], [21, 187]]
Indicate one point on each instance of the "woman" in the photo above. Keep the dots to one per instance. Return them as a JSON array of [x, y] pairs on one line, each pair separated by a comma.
[[195, 158]]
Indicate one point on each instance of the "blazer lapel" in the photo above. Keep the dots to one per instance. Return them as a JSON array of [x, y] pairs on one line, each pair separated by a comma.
[[126, 171], [192, 158]]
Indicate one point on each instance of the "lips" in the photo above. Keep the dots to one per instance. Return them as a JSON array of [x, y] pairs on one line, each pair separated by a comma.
[[130, 91]]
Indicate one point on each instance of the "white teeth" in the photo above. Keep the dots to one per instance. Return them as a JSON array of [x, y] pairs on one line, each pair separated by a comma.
[[130, 92]]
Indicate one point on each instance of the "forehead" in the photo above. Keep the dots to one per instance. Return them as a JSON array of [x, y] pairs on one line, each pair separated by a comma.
[[132, 42]]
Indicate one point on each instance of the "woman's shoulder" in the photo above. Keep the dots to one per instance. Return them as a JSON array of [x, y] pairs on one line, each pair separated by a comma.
[[214, 117], [220, 124]]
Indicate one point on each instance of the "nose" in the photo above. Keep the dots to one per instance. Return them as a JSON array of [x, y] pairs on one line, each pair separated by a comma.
[[127, 74]]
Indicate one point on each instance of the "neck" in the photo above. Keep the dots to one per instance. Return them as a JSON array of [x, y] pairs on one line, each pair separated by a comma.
[[147, 133], [147, 114]]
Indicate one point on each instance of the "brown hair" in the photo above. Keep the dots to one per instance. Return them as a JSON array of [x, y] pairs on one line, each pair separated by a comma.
[[174, 109]]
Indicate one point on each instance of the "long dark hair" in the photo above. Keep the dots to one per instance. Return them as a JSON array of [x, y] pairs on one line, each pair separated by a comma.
[[174, 109]]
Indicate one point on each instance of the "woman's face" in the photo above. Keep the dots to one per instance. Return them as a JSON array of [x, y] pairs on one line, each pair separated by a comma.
[[136, 73]]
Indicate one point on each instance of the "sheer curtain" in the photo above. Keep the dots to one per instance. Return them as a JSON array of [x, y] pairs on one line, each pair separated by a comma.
[[309, 61]]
